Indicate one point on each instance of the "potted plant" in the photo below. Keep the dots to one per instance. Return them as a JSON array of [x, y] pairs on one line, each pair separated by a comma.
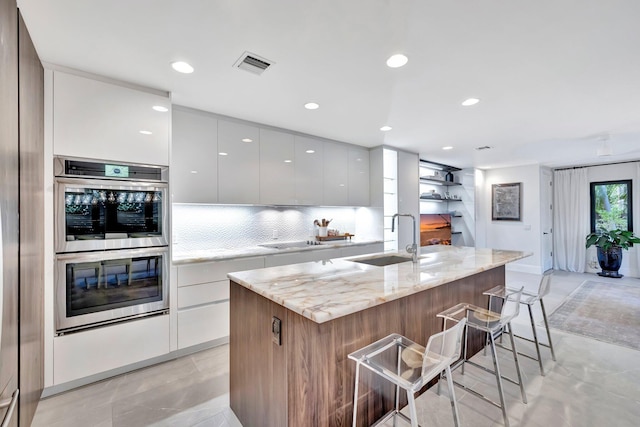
[[609, 244]]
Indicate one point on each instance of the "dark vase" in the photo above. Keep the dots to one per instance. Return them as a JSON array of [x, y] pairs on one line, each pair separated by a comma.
[[610, 262]]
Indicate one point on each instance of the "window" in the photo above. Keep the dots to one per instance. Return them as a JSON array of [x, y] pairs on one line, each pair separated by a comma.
[[611, 205]]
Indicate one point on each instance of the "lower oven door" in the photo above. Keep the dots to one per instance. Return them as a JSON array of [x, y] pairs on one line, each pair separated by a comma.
[[96, 288]]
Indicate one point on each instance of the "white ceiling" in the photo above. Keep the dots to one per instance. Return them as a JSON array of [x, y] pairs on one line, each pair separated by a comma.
[[553, 76]]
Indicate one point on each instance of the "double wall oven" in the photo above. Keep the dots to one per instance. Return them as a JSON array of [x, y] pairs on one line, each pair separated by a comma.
[[111, 241]]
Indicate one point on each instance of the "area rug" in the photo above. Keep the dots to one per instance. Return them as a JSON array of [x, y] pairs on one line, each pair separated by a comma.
[[608, 312]]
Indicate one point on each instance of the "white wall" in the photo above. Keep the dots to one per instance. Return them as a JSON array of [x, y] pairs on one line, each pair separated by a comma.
[[524, 235], [616, 172]]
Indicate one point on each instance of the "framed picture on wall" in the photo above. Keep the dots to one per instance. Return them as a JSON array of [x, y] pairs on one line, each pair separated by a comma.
[[506, 201]]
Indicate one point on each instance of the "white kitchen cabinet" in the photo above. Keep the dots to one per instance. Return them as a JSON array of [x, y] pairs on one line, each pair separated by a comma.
[[194, 157], [201, 324], [203, 299], [358, 176], [309, 171], [98, 119], [238, 163], [93, 351], [304, 256], [277, 168], [336, 176]]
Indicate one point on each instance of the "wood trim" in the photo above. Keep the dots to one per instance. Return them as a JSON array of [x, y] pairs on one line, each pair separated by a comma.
[[318, 375]]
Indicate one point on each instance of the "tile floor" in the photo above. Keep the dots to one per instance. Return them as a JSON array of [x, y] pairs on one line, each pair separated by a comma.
[[592, 383]]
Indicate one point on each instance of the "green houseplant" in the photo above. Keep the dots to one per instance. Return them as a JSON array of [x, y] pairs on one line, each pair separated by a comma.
[[609, 244]]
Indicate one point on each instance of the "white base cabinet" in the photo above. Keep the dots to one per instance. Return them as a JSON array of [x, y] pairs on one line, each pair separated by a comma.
[[91, 352], [203, 299]]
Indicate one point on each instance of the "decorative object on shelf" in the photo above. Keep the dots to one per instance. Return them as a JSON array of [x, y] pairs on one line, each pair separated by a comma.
[[344, 236], [506, 201], [609, 244], [448, 177]]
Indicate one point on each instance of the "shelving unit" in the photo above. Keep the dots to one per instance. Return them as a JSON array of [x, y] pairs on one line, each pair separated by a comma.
[[433, 179]]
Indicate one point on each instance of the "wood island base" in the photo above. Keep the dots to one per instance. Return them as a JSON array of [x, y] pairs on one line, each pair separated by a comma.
[[307, 379]]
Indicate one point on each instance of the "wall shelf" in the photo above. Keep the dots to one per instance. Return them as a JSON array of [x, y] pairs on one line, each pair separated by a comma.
[[438, 166], [425, 180]]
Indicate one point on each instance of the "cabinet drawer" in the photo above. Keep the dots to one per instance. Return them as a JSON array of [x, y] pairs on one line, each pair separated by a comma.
[[193, 274], [204, 293], [201, 324]]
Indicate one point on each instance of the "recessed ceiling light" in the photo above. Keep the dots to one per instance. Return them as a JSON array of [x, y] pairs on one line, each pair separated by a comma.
[[182, 67], [160, 108], [385, 128], [146, 132], [397, 60], [448, 147], [311, 106], [247, 140], [287, 161], [310, 151], [194, 172], [470, 101], [222, 153]]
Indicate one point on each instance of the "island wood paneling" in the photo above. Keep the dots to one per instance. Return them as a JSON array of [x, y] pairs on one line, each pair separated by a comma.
[[318, 375], [31, 106]]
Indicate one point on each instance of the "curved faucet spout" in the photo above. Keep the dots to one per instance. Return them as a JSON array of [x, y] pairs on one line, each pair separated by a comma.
[[413, 248]]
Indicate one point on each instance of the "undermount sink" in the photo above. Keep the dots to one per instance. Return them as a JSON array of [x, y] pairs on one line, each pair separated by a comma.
[[381, 261]]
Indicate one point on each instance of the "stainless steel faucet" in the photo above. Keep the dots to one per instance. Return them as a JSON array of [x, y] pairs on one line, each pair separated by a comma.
[[413, 248]]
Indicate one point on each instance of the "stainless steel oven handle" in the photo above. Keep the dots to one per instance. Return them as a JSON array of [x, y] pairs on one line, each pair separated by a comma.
[[11, 403]]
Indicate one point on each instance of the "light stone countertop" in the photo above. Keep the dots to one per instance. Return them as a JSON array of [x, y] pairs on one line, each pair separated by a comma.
[[325, 290], [224, 254]]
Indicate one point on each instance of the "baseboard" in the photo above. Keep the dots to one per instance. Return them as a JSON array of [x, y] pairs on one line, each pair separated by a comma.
[[61, 388]]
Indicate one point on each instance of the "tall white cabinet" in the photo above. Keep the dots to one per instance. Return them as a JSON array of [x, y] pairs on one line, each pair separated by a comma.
[[277, 168], [98, 118], [238, 162], [309, 170], [194, 160]]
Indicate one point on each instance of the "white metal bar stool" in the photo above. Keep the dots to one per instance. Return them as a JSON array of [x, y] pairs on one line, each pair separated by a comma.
[[410, 366], [493, 324], [530, 298]]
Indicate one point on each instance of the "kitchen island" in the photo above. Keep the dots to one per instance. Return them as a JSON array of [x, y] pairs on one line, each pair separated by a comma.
[[292, 328]]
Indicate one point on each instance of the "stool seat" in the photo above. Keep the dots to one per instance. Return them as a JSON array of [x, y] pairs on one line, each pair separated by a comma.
[[410, 366]]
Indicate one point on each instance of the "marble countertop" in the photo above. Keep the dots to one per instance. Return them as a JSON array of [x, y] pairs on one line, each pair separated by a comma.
[[325, 290], [186, 257]]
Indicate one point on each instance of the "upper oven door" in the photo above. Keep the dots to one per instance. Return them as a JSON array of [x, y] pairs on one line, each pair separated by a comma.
[[94, 214]]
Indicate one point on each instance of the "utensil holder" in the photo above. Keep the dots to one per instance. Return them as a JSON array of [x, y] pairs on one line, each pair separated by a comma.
[[322, 231]]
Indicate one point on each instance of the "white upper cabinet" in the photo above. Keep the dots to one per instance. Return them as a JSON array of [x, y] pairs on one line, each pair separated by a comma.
[[99, 120], [336, 176], [238, 162], [358, 176], [277, 168], [308, 165], [194, 157]]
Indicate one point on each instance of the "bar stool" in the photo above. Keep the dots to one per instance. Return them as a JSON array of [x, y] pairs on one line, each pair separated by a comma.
[[410, 366], [530, 298], [493, 324]]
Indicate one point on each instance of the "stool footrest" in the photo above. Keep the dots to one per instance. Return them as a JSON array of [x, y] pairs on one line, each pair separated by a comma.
[[491, 371], [475, 393], [391, 414]]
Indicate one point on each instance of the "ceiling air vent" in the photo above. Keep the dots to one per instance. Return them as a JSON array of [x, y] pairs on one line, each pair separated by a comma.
[[484, 147], [252, 63]]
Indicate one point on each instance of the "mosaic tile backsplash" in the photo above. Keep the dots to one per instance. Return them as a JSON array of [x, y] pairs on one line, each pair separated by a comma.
[[198, 227]]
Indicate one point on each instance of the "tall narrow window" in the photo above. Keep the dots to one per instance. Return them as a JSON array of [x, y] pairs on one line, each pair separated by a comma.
[[611, 205]]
